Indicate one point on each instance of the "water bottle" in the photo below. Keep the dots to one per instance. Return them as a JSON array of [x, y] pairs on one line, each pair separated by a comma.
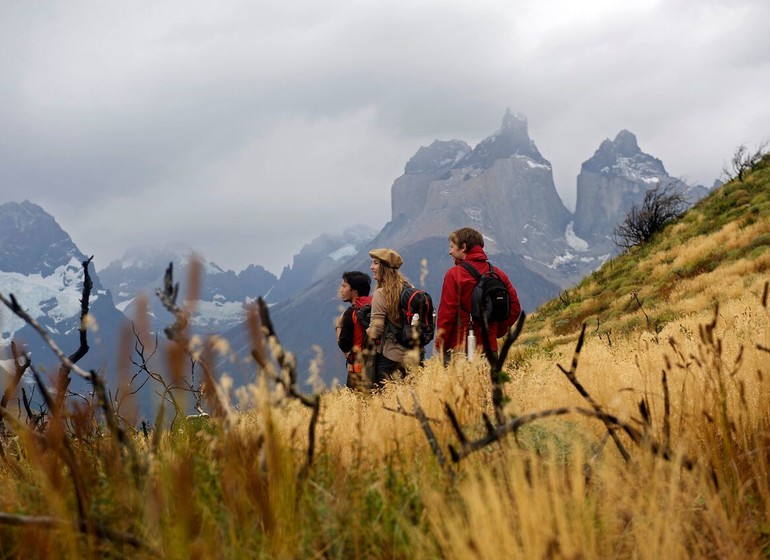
[[471, 344]]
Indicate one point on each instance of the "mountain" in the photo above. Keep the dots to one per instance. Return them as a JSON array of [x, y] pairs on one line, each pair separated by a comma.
[[318, 258], [42, 268], [504, 188], [219, 298], [614, 179], [222, 294]]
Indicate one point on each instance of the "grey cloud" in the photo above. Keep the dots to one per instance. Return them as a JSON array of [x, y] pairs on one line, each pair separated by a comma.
[[187, 107]]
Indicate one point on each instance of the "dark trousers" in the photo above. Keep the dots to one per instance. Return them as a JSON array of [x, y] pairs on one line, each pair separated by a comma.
[[386, 369]]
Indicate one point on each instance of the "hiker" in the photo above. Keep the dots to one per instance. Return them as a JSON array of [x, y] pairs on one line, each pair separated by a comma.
[[454, 321], [390, 356], [351, 334]]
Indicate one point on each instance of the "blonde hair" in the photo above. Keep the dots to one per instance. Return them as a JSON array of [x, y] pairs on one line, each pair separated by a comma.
[[392, 282]]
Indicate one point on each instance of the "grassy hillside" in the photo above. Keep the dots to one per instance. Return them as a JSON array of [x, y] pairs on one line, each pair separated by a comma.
[[665, 454], [717, 251]]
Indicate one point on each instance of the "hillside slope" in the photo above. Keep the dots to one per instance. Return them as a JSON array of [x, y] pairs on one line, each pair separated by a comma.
[[717, 251]]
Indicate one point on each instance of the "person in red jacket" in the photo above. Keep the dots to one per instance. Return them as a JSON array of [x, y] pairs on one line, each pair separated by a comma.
[[452, 322], [351, 336]]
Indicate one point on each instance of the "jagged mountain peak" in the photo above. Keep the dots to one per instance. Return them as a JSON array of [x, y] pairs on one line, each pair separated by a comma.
[[625, 144], [441, 153], [511, 139], [32, 242], [614, 179], [512, 121], [623, 156]]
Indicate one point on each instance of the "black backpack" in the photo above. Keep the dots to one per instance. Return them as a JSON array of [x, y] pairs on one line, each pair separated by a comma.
[[363, 314], [490, 300], [414, 301]]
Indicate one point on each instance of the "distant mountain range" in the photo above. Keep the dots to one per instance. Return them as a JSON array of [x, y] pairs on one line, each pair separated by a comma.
[[503, 187]]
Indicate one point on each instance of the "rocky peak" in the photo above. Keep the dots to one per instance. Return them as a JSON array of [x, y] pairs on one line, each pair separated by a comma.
[[31, 242], [625, 144], [512, 138], [614, 179], [621, 155], [440, 154], [410, 191]]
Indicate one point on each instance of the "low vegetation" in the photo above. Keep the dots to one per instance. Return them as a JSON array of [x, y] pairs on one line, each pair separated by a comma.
[[632, 422]]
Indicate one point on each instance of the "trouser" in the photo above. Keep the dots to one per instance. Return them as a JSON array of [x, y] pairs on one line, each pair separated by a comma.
[[359, 380], [386, 369]]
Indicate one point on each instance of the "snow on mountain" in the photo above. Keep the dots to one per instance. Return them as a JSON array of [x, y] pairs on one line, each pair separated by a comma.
[[573, 240], [56, 296], [343, 252]]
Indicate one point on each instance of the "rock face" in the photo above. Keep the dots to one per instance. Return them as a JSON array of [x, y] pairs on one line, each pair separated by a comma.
[[410, 191], [614, 179], [31, 242]]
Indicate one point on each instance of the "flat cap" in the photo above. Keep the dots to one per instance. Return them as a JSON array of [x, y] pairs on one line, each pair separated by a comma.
[[387, 256]]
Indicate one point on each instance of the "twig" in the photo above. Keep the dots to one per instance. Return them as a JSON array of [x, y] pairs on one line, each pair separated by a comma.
[[467, 447], [580, 389], [176, 333], [288, 367], [510, 338], [21, 363], [114, 426], [45, 522], [83, 331], [425, 423], [14, 306]]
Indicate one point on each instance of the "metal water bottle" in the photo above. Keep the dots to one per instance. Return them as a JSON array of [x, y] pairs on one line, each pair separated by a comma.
[[471, 344]]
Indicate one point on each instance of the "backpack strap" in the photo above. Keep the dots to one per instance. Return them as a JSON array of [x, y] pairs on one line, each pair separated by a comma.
[[469, 267], [409, 303], [476, 276]]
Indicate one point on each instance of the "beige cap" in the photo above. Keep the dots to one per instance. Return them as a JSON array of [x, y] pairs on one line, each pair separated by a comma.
[[387, 256]]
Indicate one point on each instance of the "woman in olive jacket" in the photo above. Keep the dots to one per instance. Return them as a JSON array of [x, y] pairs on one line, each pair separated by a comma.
[[391, 358]]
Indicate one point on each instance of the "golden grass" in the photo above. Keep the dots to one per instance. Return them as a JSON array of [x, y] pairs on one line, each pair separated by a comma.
[[375, 488]]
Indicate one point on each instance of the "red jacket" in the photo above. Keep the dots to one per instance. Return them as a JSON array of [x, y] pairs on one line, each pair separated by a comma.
[[455, 305], [352, 334]]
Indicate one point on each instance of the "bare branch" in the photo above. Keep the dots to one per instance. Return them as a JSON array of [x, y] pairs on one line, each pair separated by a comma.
[[14, 306], [580, 389], [662, 204], [468, 447], [45, 522], [425, 423]]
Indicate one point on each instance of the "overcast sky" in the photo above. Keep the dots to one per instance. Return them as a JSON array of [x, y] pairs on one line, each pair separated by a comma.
[[246, 129]]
